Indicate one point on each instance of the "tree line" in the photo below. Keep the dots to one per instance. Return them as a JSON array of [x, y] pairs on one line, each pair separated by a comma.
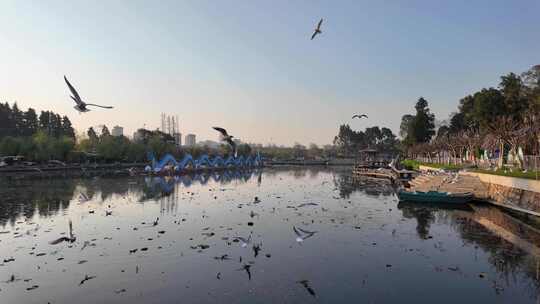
[[39, 138], [350, 142], [503, 121]]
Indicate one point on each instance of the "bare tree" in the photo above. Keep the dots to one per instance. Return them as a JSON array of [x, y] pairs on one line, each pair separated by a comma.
[[505, 130]]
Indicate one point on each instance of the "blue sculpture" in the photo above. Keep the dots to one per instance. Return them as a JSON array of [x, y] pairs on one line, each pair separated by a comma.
[[203, 161]]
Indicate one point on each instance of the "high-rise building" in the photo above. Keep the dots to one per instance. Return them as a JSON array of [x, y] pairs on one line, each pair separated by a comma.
[[177, 139], [117, 131], [190, 140]]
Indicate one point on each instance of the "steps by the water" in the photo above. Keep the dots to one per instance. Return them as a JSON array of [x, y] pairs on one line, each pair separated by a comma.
[[449, 183]]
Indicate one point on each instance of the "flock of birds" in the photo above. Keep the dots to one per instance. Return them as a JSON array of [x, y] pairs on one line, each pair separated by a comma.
[[81, 106], [234, 241]]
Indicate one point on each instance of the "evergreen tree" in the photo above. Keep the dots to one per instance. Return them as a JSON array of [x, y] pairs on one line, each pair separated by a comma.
[[423, 125], [17, 120], [31, 124], [44, 122], [67, 128], [5, 119]]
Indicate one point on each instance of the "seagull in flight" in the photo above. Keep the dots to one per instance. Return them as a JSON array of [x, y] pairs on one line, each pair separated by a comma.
[[307, 286], [317, 29], [302, 234], [69, 239], [81, 106], [359, 116], [244, 241], [227, 138]]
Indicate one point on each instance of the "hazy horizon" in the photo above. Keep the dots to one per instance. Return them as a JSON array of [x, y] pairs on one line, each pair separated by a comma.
[[250, 66]]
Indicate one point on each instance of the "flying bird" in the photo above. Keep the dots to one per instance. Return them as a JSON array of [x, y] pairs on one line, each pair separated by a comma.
[[246, 268], [359, 116], [69, 239], [83, 198], [226, 138], [317, 29], [244, 241], [81, 106], [307, 286], [302, 234]]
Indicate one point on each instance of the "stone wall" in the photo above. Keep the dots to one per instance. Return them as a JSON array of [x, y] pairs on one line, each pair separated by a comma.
[[511, 192]]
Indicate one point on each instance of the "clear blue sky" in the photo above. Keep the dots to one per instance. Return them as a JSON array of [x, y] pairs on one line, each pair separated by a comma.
[[250, 67]]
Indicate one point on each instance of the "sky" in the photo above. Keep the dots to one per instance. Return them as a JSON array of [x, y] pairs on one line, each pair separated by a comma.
[[250, 67]]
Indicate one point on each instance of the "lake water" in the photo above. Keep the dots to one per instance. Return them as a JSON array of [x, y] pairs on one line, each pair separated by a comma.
[[368, 248]]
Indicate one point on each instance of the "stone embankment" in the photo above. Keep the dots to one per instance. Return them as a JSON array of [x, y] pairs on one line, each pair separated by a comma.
[[518, 194]]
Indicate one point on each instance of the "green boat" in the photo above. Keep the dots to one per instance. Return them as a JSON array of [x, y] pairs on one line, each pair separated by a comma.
[[435, 197]]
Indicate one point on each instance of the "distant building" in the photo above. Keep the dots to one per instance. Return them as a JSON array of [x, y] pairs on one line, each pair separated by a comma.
[[177, 139], [138, 135], [117, 131], [190, 140]]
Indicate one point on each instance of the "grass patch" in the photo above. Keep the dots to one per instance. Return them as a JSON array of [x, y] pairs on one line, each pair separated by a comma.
[[415, 165]]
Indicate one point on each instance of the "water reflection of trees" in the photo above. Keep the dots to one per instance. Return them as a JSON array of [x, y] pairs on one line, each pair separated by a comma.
[[47, 197], [510, 261], [347, 184], [28, 198]]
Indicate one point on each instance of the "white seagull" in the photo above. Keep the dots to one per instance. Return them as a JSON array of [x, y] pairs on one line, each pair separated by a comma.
[[81, 106], [317, 29], [83, 198], [302, 234], [359, 116], [244, 241]]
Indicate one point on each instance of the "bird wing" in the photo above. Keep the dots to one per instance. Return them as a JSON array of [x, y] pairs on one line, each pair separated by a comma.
[[59, 240], [364, 115], [77, 98], [241, 239], [356, 115], [314, 34], [307, 232], [95, 105], [296, 232], [319, 25], [221, 130]]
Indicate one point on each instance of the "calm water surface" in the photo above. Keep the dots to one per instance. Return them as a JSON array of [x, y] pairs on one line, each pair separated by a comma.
[[367, 249]]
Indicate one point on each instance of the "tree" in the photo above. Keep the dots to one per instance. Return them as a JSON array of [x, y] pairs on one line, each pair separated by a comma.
[[314, 151], [388, 140], [44, 121], [373, 136], [345, 138], [17, 121], [92, 136], [423, 125], [104, 132], [457, 123], [406, 124], [9, 146], [488, 103], [30, 122], [512, 89], [443, 132], [299, 150], [5, 120], [502, 131], [243, 149], [67, 128]]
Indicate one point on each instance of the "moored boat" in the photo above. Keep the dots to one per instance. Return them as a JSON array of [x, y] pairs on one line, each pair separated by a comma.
[[435, 197]]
